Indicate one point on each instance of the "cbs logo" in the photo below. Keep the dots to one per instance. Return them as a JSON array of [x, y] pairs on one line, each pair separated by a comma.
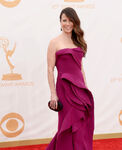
[[9, 3], [12, 125]]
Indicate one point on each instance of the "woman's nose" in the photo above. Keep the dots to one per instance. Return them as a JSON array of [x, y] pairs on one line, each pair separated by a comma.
[[68, 23]]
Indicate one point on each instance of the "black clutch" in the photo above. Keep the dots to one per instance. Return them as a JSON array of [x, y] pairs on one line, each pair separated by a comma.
[[59, 107]]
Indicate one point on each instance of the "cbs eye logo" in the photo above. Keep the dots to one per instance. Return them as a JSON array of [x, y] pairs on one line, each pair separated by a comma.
[[9, 3], [12, 125]]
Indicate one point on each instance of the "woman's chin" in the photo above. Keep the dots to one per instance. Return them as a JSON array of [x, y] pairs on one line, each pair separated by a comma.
[[68, 31]]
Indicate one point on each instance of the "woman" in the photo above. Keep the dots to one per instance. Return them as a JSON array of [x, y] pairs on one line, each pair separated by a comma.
[[76, 119]]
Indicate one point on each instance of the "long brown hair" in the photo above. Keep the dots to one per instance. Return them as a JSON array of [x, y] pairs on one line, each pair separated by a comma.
[[77, 32]]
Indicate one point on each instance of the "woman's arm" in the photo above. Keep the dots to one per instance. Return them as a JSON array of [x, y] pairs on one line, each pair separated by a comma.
[[50, 71], [50, 67], [82, 70]]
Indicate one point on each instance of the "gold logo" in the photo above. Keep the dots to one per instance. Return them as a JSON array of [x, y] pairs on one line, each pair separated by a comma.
[[116, 79], [73, 0], [9, 3], [121, 39], [120, 117], [75, 4], [4, 43], [11, 122]]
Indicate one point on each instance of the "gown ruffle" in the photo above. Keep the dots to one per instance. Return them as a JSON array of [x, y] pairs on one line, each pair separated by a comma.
[[76, 120]]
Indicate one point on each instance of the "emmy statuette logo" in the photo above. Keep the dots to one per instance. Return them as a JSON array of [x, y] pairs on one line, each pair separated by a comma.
[[10, 3], [8, 53]]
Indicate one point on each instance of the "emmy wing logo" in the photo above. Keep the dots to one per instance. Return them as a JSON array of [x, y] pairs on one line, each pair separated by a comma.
[[4, 43], [12, 125], [74, 0], [10, 3]]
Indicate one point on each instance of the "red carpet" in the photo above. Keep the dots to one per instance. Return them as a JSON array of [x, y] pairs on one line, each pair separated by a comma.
[[106, 144]]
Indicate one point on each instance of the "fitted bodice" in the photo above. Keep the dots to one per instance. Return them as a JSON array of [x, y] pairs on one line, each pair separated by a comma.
[[68, 60]]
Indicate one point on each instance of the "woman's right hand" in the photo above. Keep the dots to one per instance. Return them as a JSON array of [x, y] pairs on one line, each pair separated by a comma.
[[53, 102]]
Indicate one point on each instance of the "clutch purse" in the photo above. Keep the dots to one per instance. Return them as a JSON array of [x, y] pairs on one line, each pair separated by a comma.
[[59, 107]]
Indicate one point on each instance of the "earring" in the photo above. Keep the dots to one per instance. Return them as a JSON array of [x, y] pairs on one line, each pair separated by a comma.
[[61, 29]]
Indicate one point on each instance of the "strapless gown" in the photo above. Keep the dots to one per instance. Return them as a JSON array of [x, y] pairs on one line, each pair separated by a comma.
[[76, 119]]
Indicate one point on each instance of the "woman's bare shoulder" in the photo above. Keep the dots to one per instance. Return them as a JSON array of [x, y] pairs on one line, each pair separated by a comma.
[[53, 44]]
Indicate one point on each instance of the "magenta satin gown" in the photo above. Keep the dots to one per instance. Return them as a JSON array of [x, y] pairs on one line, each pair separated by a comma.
[[76, 119]]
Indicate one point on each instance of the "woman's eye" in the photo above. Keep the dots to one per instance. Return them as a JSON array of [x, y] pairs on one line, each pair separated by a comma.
[[64, 20]]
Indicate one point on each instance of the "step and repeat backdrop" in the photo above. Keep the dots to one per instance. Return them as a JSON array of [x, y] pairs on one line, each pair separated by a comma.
[[26, 27]]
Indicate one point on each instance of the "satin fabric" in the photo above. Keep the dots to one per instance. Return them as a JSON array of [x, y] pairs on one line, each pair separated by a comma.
[[76, 120]]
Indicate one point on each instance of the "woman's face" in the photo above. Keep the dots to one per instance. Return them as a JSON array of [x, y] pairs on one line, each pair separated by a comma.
[[66, 24]]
